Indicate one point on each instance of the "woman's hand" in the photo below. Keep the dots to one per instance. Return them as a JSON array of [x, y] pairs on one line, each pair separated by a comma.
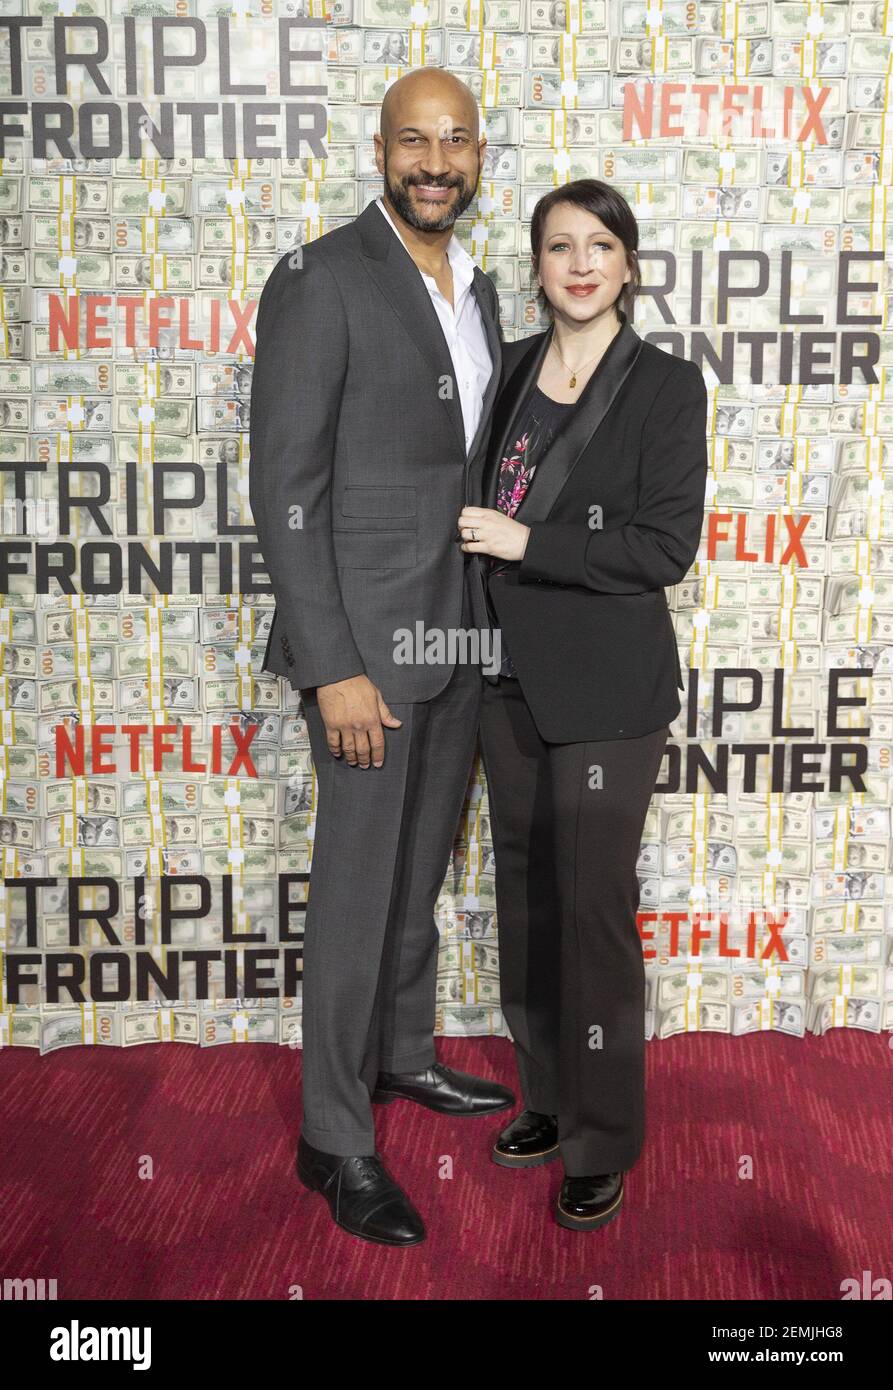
[[495, 533]]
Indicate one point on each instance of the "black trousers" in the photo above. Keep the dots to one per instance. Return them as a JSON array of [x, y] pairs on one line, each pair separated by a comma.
[[567, 821]]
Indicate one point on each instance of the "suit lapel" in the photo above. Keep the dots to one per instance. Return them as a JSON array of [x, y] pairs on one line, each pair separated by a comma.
[[397, 276], [495, 346], [570, 443], [510, 399]]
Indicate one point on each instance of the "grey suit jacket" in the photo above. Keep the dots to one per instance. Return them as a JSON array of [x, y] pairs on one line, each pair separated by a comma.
[[358, 465]]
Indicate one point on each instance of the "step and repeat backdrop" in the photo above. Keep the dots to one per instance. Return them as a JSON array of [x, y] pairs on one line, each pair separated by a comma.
[[158, 794]]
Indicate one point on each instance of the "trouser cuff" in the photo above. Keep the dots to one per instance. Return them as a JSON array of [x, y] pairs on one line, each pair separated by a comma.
[[344, 1143], [410, 1061]]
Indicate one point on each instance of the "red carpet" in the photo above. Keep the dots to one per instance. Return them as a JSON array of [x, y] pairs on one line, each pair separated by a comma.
[[225, 1216]]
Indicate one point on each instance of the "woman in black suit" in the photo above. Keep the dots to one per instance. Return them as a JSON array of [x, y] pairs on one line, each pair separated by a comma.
[[595, 499]]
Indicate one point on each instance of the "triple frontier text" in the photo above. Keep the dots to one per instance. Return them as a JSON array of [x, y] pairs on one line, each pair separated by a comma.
[[95, 63]]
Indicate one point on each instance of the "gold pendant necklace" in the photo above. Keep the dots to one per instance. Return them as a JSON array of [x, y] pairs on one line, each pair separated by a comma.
[[573, 371], [573, 381]]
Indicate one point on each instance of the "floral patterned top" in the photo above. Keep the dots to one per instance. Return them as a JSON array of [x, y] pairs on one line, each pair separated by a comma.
[[538, 421]]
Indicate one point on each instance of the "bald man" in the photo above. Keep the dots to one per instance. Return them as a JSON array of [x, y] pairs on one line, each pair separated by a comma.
[[378, 359]]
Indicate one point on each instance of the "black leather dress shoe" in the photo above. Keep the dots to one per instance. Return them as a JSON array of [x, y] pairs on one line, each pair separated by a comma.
[[584, 1204], [530, 1139], [362, 1196], [440, 1088]]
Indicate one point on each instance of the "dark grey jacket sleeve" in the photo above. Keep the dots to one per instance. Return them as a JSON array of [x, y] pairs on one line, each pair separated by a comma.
[[299, 368], [658, 546]]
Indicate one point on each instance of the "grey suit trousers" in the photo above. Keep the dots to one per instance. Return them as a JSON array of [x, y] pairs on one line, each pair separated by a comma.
[[381, 852]]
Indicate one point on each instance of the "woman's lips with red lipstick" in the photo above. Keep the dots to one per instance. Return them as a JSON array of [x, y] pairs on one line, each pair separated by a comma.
[[581, 291]]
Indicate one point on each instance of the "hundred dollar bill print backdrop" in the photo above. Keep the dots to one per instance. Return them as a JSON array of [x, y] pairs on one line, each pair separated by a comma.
[[158, 795]]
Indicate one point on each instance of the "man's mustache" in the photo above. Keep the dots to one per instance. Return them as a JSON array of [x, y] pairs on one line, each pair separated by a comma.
[[433, 183]]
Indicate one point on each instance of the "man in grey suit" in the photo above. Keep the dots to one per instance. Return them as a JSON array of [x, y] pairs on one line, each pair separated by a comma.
[[377, 362]]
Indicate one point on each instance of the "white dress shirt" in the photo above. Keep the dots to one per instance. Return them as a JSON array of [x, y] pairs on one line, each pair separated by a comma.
[[463, 329]]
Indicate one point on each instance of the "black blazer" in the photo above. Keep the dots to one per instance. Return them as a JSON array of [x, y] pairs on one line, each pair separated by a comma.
[[584, 615]]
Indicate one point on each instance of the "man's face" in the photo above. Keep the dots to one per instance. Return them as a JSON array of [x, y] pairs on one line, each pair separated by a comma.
[[432, 161]]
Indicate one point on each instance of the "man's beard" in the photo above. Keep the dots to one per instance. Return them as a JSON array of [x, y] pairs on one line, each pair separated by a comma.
[[402, 200]]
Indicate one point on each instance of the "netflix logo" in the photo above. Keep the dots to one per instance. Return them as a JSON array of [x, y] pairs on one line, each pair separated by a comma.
[[78, 758], [65, 322]]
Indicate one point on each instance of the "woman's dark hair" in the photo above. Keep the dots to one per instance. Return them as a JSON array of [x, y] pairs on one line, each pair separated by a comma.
[[612, 210]]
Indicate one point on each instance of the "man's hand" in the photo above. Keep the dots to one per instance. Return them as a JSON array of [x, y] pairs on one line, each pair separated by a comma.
[[353, 713], [494, 533]]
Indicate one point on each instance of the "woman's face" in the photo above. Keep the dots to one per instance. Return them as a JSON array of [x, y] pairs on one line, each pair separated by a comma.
[[582, 265]]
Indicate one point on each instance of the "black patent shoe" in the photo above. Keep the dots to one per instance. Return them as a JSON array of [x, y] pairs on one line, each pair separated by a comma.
[[440, 1088], [362, 1196], [584, 1204], [530, 1139]]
